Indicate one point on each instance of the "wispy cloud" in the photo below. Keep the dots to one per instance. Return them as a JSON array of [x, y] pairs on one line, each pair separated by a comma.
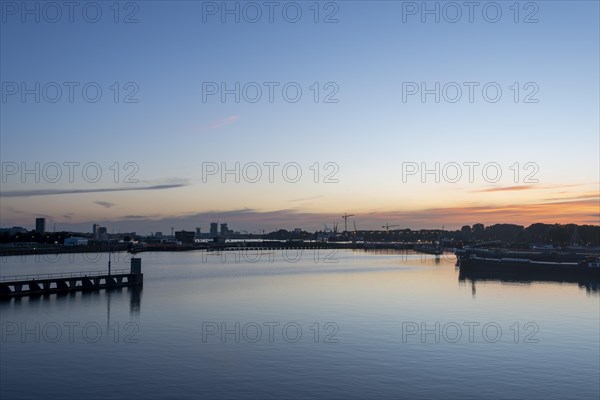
[[575, 211], [525, 187], [306, 198], [137, 216], [166, 181], [21, 212], [52, 192], [220, 123], [584, 196], [106, 204], [505, 189], [14, 210]]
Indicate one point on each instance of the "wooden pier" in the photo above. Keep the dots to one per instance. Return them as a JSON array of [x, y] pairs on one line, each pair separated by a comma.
[[30, 285]]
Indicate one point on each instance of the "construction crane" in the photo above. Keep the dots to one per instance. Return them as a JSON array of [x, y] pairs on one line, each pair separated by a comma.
[[329, 230], [355, 233], [388, 226], [345, 216]]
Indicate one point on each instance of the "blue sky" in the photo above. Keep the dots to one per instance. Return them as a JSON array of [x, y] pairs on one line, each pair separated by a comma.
[[367, 55]]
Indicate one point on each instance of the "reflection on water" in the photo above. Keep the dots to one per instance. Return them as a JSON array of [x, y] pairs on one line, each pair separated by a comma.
[[134, 293], [587, 281], [135, 301], [135, 304]]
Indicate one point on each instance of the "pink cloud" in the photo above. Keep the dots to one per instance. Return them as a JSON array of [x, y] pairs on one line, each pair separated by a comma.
[[220, 123]]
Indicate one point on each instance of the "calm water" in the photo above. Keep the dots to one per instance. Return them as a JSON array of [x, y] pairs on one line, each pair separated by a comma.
[[329, 325]]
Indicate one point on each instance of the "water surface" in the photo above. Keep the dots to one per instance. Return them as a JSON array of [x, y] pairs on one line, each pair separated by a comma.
[[342, 324]]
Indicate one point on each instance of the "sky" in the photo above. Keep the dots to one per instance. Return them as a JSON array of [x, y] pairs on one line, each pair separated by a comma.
[[275, 115]]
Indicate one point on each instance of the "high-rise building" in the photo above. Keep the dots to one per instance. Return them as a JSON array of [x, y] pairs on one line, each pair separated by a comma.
[[198, 232], [95, 231], [40, 225], [102, 233], [214, 229], [224, 230]]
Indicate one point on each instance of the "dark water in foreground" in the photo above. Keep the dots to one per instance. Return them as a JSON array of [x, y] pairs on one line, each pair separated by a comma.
[[328, 325]]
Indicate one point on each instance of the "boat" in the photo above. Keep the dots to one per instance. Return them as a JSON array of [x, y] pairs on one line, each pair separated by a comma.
[[435, 248], [429, 249], [526, 261]]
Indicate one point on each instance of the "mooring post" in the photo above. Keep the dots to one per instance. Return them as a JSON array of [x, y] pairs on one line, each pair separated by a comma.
[[136, 270]]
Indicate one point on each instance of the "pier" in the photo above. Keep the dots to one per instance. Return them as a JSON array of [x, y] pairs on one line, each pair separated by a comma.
[[29, 285]]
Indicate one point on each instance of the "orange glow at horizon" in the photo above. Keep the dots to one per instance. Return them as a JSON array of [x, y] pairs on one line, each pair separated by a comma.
[[429, 207]]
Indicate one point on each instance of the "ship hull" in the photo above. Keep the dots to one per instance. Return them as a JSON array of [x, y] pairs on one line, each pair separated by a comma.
[[550, 269]]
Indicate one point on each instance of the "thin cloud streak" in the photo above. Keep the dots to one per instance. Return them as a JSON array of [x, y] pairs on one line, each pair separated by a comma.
[[105, 204], [585, 196], [524, 187], [220, 123], [52, 192], [504, 189], [306, 198]]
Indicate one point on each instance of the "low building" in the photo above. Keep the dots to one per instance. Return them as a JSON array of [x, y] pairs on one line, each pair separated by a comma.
[[185, 236], [76, 241], [102, 233], [15, 230]]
